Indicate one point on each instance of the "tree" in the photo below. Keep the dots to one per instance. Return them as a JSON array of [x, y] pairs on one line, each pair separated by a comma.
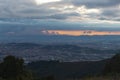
[[13, 69]]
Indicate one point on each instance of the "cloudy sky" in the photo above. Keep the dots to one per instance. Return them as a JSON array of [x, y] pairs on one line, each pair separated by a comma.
[[59, 14], [71, 10]]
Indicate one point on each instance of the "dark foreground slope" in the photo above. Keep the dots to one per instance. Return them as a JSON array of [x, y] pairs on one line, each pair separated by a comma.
[[63, 70], [105, 69], [111, 70]]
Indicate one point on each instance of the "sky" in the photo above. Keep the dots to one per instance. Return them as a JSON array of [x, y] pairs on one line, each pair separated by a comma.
[[36, 16]]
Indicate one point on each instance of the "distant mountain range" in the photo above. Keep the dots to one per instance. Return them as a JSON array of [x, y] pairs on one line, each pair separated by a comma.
[[57, 39]]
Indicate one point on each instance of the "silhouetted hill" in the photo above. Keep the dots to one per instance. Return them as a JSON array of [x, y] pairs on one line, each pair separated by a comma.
[[62, 70], [111, 70], [105, 69], [113, 65]]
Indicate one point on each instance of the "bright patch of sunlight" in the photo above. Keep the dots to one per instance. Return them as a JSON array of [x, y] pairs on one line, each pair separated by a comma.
[[39, 2]]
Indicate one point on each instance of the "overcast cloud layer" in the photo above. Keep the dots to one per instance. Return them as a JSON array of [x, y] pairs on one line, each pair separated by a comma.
[[69, 10], [30, 17]]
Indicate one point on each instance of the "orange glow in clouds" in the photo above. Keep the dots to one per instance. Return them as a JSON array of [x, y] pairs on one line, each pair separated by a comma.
[[80, 32]]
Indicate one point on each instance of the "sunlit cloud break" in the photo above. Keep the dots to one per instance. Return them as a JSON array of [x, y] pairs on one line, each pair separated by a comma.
[[39, 2], [80, 32]]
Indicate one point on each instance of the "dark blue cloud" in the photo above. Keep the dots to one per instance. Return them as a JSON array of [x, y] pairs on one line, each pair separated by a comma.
[[35, 26]]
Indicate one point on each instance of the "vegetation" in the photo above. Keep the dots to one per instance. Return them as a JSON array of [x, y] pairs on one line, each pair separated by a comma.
[[113, 65], [13, 69], [107, 77], [110, 72]]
